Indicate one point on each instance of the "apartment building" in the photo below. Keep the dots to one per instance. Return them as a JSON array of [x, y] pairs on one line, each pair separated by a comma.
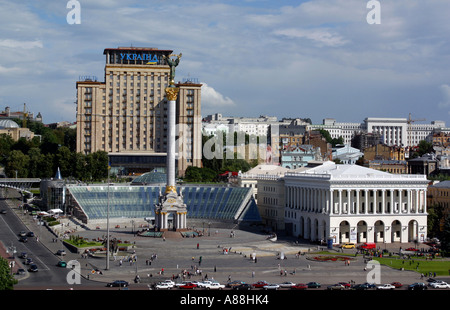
[[392, 131]]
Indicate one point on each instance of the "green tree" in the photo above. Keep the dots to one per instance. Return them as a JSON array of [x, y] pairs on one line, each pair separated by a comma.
[[329, 139], [193, 174], [99, 165], [6, 144], [17, 163], [63, 160], [445, 237], [78, 170], [7, 281], [34, 164]]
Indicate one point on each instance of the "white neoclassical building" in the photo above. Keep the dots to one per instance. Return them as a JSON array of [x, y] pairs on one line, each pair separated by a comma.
[[351, 203]]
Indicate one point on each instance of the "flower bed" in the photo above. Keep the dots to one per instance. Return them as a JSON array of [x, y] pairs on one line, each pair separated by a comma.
[[330, 258]]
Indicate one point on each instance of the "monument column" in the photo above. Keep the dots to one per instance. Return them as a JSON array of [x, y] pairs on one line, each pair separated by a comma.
[[171, 202], [171, 94]]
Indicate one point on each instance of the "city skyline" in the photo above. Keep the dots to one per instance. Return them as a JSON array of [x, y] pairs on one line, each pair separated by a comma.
[[312, 59]]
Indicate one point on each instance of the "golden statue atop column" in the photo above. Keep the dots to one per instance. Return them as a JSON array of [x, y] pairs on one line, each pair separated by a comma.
[[171, 202]]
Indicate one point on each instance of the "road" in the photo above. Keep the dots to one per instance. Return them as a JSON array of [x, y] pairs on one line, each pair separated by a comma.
[[48, 271]]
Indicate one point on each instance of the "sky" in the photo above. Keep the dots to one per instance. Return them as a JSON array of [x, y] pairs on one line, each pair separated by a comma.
[[306, 59]]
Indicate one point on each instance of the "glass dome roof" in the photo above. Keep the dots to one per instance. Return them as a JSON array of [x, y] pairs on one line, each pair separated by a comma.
[[7, 123], [152, 177]]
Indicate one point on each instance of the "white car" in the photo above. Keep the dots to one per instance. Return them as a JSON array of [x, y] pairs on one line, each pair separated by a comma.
[[386, 287], [204, 284], [163, 286], [440, 285], [271, 287], [169, 282], [287, 284], [216, 286]]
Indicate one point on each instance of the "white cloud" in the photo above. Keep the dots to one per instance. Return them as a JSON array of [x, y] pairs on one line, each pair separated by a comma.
[[212, 99], [9, 43], [278, 59], [320, 36]]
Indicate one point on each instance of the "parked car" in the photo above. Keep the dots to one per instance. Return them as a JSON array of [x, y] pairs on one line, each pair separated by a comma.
[[335, 287], [22, 234], [259, 284], [436, 283], [163, 286], [188, 286], [23, 255], [234, 283], [368, 246], [345, 284], [215, 286], [169, 282], [370, 285], [21, 271], [28, 261], [397, 284], [385, 287], [3, 212], [204, 284], [313, 284], [243, 286], [348, 245], [441, 285], [182, 283], [23, 239], [271, 286], [30, 234], [117, 283], [417, 286], [299, 286], [287, 284], [362, 286]]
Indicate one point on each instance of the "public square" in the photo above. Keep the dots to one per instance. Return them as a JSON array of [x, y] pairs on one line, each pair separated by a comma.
[[221, 254]]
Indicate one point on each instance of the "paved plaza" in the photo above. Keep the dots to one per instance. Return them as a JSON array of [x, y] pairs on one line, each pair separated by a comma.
[[223, 255]]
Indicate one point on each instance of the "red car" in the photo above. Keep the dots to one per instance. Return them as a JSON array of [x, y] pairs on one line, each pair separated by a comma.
[[345, 284], [188, 286], [299, 286], [260, 284], [397, 284]]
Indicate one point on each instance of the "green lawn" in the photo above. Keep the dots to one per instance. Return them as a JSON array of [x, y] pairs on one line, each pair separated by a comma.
[[438, 265]]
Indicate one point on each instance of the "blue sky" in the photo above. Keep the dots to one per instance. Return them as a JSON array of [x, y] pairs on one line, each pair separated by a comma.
[[312, 59]]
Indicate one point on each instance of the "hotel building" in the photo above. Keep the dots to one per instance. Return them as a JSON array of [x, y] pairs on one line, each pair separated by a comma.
[[126, 115]]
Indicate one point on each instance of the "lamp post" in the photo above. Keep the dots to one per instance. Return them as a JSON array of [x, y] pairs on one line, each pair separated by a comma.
[[107, 228]]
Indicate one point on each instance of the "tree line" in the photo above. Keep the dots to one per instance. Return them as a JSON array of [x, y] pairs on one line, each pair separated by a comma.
[[49, 150]]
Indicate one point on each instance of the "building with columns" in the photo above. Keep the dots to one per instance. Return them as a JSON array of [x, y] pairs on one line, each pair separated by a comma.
[[351, 203]]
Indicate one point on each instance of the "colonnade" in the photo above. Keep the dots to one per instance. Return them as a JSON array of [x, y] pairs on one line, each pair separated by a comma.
[[357, 201], [162, 220]]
